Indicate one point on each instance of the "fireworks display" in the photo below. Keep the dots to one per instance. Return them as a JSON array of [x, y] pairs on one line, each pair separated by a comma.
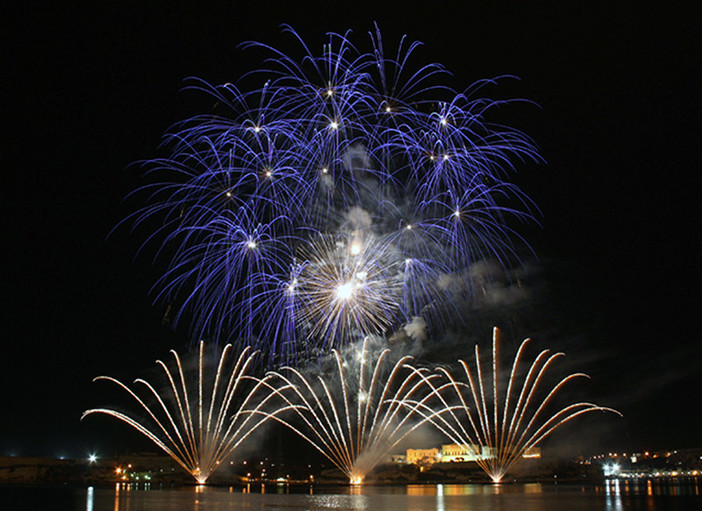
[[354, 410], [329, 200], [198, 423], [498, 425], [343, 196]]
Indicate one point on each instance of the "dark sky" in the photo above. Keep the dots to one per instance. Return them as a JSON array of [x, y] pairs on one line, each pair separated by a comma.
[[90, 88]]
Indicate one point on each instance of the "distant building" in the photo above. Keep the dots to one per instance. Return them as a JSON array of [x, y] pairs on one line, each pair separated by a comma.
[[422, 456], [455, 453], [400, 459], [458, 453]]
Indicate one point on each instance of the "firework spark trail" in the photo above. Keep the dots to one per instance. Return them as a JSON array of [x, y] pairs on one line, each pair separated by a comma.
[[200, 437], [346, 286], [474, 422], [247, 191], [358, 424]]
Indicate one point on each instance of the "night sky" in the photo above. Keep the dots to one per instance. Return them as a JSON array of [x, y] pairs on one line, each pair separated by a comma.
[[90, 89]]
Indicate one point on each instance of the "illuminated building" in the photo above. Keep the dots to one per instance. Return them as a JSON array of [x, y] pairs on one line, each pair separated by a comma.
[[423, 456], [455, 453]]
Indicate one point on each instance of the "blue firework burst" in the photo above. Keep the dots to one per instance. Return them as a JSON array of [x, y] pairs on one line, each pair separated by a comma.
[[333, 200]]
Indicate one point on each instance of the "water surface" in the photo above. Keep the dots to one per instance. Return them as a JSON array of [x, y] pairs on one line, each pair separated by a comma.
[[616, 495]]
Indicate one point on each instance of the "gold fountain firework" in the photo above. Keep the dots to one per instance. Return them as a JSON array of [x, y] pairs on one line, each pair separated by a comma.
[[198, 427], [497, 431], [358, 418]]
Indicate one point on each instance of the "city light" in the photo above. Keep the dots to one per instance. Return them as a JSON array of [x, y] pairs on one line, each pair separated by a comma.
[[611, 469]]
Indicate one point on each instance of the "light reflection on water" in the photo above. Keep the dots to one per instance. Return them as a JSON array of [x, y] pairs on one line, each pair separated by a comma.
[[441, 490], [613, 495]]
